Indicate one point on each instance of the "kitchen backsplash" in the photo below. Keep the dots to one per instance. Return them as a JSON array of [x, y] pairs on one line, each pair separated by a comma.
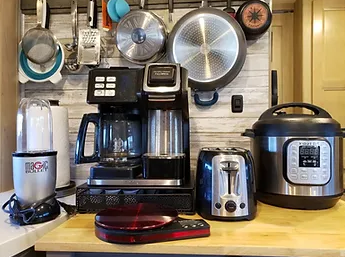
[[210, 126]]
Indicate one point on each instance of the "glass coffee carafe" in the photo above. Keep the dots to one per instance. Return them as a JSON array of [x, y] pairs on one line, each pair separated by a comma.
[[117, 139]]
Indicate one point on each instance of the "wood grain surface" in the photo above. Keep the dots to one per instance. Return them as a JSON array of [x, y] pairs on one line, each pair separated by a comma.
[[274, 232], [8, 89]]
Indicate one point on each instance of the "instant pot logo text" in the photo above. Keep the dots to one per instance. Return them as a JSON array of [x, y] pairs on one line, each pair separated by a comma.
[[36, 167]]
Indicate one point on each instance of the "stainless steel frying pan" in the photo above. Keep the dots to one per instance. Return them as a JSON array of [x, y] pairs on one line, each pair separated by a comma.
[[211, 45]]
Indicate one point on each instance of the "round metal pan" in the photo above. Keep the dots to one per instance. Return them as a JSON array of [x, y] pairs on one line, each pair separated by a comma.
[[141, 36], [211, 45]]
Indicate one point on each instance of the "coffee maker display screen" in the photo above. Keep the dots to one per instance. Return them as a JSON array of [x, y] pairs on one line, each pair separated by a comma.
[[309, 156]]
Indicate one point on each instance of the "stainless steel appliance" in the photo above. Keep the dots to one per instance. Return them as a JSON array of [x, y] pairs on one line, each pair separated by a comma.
[[298, 157], [142, 128], [165, 99], [34, 166], [225, 184]]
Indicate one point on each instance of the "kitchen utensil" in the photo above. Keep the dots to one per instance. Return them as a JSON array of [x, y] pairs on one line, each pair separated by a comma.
[[107, 23], [211, 46], [229, 9], [298, 157], [145, 223], [74, 14], [71, 63], [225, 184], [117, 9], [29, 71], [61, 143], [34, 165], [141, 36], [255, 18], [89, 45], [171, 10], [39, 44]]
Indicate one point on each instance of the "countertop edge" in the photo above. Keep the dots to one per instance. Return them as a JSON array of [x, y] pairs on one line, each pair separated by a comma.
[[199, 250], [25, 241]]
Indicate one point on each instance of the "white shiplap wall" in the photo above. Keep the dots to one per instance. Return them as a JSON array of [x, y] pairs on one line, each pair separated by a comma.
[[210, 126]]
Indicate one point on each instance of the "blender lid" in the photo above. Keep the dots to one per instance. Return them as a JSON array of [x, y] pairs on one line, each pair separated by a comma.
[[134, 217], [276, 122]]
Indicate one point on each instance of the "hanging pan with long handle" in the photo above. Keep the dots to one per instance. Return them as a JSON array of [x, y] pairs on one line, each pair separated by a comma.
[[211, 45], [141, 36]]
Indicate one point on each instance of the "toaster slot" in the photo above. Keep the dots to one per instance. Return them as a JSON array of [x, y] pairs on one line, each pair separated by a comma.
[[231, 168]]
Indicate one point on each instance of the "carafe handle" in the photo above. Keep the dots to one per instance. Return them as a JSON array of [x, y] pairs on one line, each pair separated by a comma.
[[80, 145]]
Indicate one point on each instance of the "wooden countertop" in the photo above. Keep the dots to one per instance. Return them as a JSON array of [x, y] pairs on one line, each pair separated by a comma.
[[274, 232]]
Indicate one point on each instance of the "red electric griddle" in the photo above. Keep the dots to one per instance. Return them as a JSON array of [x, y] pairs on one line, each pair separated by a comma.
[[146, 223]]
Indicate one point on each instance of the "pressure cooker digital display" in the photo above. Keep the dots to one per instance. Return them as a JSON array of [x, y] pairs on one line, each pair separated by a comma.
[[309, 156]]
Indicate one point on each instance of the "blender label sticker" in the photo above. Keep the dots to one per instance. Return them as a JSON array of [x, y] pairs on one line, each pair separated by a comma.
[[36, 167]]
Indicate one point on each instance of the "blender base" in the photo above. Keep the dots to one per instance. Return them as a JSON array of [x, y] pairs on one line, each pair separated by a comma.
[[42, 211]]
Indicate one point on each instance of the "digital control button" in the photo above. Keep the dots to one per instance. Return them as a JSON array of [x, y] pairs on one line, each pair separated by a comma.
[[294, 153], [293, 170], [315, 170], [111, 79], [324, 171], [294, 148], [110, 85], [293, 160], [293, 176], [99, 93], [304, 176], [100, 79], [109, 92], [314, 177], [324, 177], [218, 205], [99, 85], [242, 205], [324, 166], [230, 206]]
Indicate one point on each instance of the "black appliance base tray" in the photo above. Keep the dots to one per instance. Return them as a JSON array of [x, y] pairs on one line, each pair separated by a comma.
[[92, 199]]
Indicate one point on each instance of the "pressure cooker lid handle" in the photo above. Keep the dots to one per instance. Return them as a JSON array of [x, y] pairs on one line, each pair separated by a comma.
[[319, 112]]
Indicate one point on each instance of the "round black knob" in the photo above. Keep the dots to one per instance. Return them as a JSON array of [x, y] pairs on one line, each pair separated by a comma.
[[218, 205], [230, 206]]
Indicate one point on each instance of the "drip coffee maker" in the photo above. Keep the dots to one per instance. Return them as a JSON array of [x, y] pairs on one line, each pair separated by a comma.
[[141, 139], [34, 166]]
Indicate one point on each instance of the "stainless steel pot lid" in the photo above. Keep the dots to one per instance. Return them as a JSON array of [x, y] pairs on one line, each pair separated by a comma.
[[206, 44], [141, 36]]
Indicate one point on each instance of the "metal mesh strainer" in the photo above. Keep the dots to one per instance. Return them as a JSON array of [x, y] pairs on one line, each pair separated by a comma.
[[207, 46], [39, 44]]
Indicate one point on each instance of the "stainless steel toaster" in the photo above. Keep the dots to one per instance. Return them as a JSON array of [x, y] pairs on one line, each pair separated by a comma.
[[225, 184]]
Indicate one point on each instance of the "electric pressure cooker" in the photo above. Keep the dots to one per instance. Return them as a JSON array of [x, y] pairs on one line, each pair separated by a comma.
[[298, 157]]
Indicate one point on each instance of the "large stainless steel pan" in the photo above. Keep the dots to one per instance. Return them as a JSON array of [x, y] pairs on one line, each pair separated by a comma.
[[211, 45]]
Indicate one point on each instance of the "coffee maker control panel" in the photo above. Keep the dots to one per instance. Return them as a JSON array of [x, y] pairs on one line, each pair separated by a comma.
[[114, 85], [162, 78]]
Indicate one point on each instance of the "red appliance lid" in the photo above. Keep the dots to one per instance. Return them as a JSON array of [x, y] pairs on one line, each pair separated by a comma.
[[142, 216]]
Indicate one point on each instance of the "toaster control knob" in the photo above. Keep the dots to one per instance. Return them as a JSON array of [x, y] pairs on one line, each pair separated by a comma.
[[230, 206]]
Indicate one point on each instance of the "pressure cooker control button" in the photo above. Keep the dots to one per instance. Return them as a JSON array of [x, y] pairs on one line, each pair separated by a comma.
[[218, 205], [293, 170], [230, 206], [242, 205]]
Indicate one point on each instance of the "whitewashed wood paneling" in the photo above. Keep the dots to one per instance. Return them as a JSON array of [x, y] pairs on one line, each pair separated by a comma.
[[214, 126]]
